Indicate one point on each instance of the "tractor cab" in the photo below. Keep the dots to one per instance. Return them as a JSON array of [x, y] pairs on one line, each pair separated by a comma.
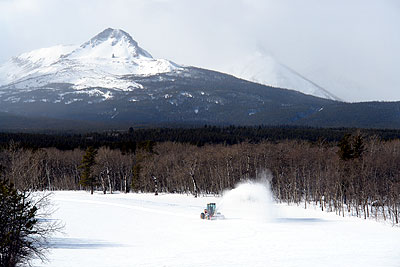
[[211, 208], [210, 213]]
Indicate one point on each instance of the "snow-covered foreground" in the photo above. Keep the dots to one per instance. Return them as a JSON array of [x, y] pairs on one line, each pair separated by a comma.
[[165, 230]]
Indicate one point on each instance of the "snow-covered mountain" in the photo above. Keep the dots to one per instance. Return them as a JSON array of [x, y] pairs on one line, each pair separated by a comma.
[[112, 81], [107, 57], [104, 60], [265, 69], [100, 62]]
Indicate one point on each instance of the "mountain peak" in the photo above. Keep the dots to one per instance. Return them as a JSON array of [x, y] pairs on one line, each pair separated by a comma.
[[112, 34], [115, 42], [99, 62], [262, 67]]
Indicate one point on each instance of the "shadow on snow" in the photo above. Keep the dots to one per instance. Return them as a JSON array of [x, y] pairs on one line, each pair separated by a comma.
[[300, 220], [75, 243]]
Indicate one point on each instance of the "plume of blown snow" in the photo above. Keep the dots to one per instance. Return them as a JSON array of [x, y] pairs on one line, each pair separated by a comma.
[[249, 200]]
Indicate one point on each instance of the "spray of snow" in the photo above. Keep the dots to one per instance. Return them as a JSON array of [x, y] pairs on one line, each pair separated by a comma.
[[250, 200]]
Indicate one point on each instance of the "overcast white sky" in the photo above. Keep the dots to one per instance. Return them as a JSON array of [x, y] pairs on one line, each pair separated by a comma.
[[350, 47]]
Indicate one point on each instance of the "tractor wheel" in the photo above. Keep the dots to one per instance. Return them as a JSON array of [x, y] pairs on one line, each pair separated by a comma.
[[202, 215]]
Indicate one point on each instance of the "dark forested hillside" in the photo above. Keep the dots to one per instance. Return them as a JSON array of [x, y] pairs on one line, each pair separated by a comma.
[[190, 96], [197, 136]]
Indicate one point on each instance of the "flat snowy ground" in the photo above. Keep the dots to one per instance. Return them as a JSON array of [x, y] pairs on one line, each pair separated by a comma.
[[165, 230]]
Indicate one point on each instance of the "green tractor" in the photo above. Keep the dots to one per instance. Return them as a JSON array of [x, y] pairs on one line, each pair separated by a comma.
[[210, 213]]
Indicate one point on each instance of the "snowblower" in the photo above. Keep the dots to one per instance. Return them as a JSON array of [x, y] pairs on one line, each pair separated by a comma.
[[210, 213]]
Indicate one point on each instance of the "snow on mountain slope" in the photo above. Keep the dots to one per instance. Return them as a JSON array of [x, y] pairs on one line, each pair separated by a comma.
[[109, 43], [264, 69], [31, 62], [100, 62]]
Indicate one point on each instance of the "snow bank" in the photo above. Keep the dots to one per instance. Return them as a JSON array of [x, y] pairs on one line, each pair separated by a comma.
[[248, 200]]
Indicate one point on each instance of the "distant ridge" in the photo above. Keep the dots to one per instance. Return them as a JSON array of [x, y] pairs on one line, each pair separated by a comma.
[[265, 69]]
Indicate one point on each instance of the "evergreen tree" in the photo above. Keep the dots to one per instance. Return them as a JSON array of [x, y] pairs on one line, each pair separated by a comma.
[[345, 148], [358, 146], [23, 236], [351, 147], [88, 161]]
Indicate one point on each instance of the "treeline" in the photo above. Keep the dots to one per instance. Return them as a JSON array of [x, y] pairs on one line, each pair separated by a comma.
[[127, 140], [358, 175]]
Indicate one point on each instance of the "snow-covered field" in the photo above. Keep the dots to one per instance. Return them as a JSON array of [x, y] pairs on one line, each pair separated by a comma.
[[165, 230]]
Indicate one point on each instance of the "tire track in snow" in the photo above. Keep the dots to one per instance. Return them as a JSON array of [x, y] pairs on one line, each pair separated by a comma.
[[132, 207]]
